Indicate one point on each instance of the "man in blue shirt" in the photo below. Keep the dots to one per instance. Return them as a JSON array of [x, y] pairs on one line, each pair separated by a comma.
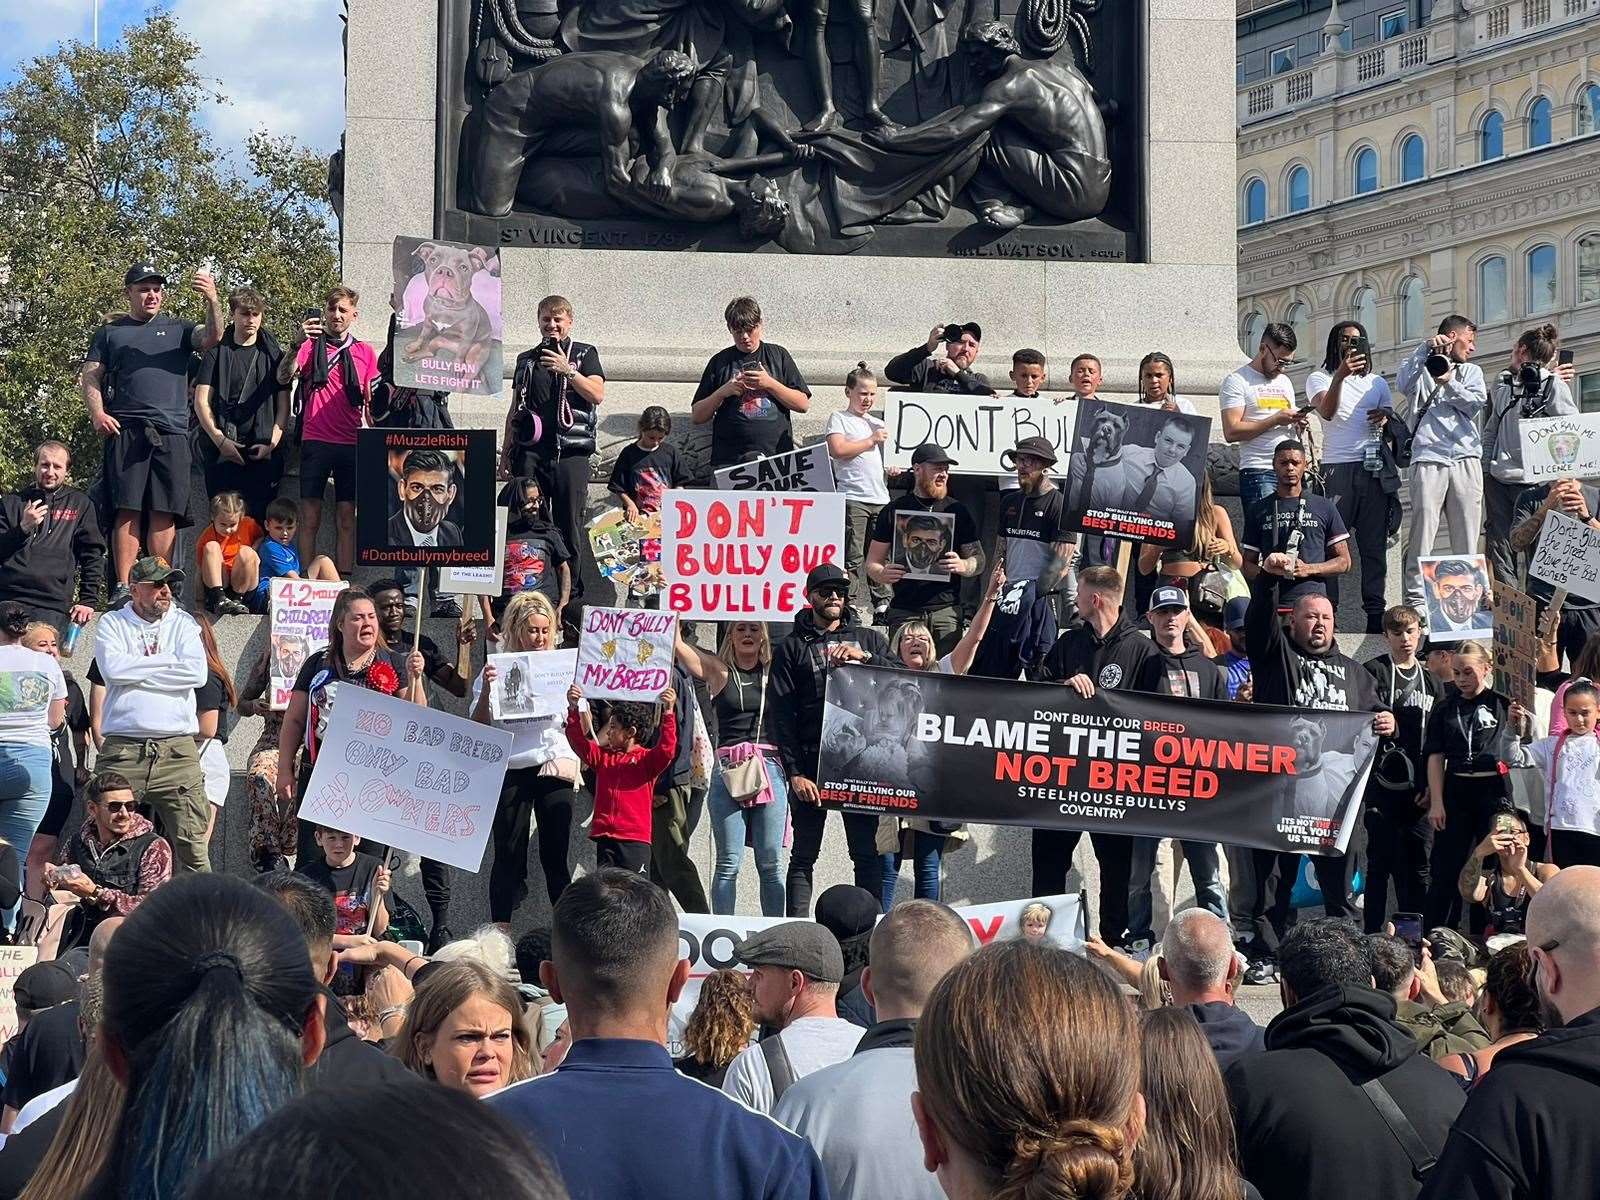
[[616, 1119]]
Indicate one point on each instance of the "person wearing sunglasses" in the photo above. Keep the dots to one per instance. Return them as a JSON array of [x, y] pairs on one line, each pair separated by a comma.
[[1259, 411], [113, 862]]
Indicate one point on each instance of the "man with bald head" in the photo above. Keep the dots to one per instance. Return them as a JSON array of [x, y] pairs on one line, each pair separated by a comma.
[[1528, 1127], [857, 1113], [1201, 971]]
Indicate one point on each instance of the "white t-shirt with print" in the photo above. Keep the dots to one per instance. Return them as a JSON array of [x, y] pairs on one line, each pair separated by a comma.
[[29, 681], [1345, 436], [1250, 392], [1574, 802], [859, 478]]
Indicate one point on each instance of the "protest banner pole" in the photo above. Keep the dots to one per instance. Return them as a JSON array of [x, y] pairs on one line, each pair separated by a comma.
[[392, 861], [422, 604], [1552, 614]]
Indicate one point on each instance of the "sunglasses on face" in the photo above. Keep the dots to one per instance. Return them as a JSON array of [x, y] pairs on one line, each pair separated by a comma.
[[831, 589], [116, 806]]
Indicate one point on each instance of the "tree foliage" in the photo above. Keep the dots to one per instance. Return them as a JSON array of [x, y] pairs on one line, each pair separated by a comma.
[[104, 162]]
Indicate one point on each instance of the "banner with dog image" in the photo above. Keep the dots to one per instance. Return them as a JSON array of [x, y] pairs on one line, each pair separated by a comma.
[[425, 497], [1136, 472], [448, 326], [965, 748]]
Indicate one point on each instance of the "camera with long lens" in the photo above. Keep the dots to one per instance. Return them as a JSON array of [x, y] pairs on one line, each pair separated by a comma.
[[1526, 380], [952, 333], [1437, 364]]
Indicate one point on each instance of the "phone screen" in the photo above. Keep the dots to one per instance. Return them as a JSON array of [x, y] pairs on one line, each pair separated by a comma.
[[1408, 927], [1564, 359], [311, 314]]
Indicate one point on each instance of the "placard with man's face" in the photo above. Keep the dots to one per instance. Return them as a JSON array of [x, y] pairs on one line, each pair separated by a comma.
[[426, 497], [1459, 602], [921, 539]]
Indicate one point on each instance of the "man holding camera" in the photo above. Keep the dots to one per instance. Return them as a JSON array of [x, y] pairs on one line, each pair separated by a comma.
[[1446, 393], [919, 371]]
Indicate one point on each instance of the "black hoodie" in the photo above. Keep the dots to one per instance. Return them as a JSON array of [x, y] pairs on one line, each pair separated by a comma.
[[1113, 661], [1294, 678], [1306, 1129], [41, 568], [800, 679], [1528, 1128], [1188, 673]]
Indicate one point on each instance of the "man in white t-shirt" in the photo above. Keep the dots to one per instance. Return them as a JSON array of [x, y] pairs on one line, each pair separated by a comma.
[[1354, 403], [1258, 411], [795, 971]]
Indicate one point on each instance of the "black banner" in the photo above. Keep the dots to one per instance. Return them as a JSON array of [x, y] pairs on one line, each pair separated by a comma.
[[964, 748], [1136, 472]]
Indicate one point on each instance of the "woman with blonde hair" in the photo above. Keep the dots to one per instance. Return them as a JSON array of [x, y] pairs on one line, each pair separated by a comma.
[[722, 1024], [542, 775], [749, 796], [464, 1028], [1028, 1078], [1187, 1151]]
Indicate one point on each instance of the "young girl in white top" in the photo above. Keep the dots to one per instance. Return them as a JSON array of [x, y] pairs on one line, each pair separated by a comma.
[[855, 443], [1571, 765]]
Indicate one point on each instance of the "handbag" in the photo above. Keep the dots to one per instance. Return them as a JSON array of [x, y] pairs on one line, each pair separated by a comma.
[[746, 778]]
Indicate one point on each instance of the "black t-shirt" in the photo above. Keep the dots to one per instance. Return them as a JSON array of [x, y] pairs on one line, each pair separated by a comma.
[[320, 684], [350, 887], [244, 387], [77, 721], [212, 696], [45, 1055], [1308, 525], [646, 474], [534, 554], [1031, 525], [739, 709], [923, 595], [1411, 695], [147, 365], [1473, 735], [753, 421]]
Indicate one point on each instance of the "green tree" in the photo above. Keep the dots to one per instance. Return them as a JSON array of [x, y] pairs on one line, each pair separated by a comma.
[[103, 162]]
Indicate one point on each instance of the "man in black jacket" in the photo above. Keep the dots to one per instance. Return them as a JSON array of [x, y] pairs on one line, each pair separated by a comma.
[[1340, 1106], [918, 371], [1105, 651], [823, 637], [52, 553], [1528, 1129]]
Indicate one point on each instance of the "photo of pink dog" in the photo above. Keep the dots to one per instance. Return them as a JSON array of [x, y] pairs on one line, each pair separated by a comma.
[[447, 301]]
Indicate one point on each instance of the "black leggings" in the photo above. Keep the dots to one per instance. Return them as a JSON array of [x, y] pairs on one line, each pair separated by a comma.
[[1051, 855], [1399, 837], [525, 796], [861, 835], [1469, 807]]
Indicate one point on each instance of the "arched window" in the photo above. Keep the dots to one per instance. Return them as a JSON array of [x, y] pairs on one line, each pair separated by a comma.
[[1412, 317], [1413, 164], [1299, 318], [1589, 268], [1491, 137], [1492, 289], [1364, 308], [1542, 279], [1539, 133], [1255, 328], [1255, 202], [1364, 173], [1299, 190], [1589, 109]]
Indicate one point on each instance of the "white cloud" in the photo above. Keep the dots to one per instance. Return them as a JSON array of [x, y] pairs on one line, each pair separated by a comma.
[[29, 28]]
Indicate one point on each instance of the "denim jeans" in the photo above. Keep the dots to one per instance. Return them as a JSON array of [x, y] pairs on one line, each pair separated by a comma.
[[1255, 485], [927, 849], [1204, 870], [764, 825], [25, 782]]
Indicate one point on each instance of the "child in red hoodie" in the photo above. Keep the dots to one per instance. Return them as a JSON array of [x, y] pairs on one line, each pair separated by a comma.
[[624, 776]]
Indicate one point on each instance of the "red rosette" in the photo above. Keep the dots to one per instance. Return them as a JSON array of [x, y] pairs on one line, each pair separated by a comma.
[[381, 678]]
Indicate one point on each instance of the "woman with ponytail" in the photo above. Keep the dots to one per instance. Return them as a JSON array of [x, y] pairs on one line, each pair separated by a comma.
[[211, 1015], [35, 693], [1028, 1078]]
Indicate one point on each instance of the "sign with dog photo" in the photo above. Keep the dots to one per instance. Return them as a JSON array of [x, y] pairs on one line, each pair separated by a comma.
[[448, 325], [1136, 472]]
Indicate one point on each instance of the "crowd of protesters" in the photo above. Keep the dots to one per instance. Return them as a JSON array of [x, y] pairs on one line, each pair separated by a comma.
[[186, 1033]]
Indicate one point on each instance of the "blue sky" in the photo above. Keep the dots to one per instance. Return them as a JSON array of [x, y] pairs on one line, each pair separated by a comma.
[[279, 61]]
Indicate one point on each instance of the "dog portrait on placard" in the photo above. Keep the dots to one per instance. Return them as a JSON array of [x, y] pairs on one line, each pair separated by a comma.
[[448, 328]]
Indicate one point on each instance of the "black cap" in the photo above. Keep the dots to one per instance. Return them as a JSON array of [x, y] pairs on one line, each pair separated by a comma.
[[1168, 597], [45, 985], [953, 332], [931, 452], [802, 946], [847, 911], [139, 272], [826, 573], [1038, 447]]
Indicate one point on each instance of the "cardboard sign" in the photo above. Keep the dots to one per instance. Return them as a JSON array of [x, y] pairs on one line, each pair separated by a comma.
[[732, 557], [1567, 556], [531, 684], [14, 960], [407, 776], [809, 469], [1560, 447], [975, 430], [1516, 644], [448, 335], [625, 653], [298, 628], [1136, 472], [479, 581], [1456, 587], [425, 497], [628, 553]]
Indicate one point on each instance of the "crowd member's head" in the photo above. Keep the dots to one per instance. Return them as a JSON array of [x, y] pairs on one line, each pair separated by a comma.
[[554, 1037], [489, 944], [723, 1021], [1311, 623], [614, 937], [930, 470], [743, 317], [555, 317], [245, 310], [282, 519], [227, 512], [532, 949], [1463, 335], [1033, 923], [353, 629], [212, 1012], [1168, 616], [329, 1143], [1319, 953], [1187, 1150], [1537, 345], [1289, 465], [427, 488], [795, 972], [145, 287], [340, 310], [1440, 659], [1456, 984], [310, 905], [1339, 339], [1394, 969], [962, 343], [1234, 614], [748, 639], [1197, 959], [1158, 379], [389, 599], [861, 389], [1509, 1002], [1580, 705], [1099, 599], [51, 461], [1275, 354], [627, 723], [530, 623], [1472, 668], [151, 582], [1563, 926], [654, 426], [1032, 459], [464, 1028], [913, 645], [912, 948], [850, 914], [40, 986], [110, 803], [827, 591], [1028, 1076], [1084, 376], [1402, 631], [1028, 372]]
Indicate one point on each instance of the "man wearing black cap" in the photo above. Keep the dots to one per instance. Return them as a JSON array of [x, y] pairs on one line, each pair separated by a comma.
[[930, 601], [822, 637], [919, 371], [795, 969], [136, 386], [1034, 541]]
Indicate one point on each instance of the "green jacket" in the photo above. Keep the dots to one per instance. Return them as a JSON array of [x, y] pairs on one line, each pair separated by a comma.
[[1443, 1031]]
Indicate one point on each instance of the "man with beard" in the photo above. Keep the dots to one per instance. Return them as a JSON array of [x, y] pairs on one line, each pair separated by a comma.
[[1258, 411], [930, 601], [1527, 1129], [1456, 607], [919, 371], [1303, 670], [1034, 542], [50, 544], [427, 490], [822, 638]]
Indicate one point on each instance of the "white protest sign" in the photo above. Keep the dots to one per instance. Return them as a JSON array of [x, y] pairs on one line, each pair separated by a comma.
[[479, 581], [1560, 447], [808, 469], [976, 430], [531, 684], [298, 628], [14, 960], [730, 556], [625, 653], [1567, 556], [409, 777]]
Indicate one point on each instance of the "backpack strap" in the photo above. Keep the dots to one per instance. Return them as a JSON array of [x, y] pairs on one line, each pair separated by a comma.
[[779, 1066], [1422, 1159]]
